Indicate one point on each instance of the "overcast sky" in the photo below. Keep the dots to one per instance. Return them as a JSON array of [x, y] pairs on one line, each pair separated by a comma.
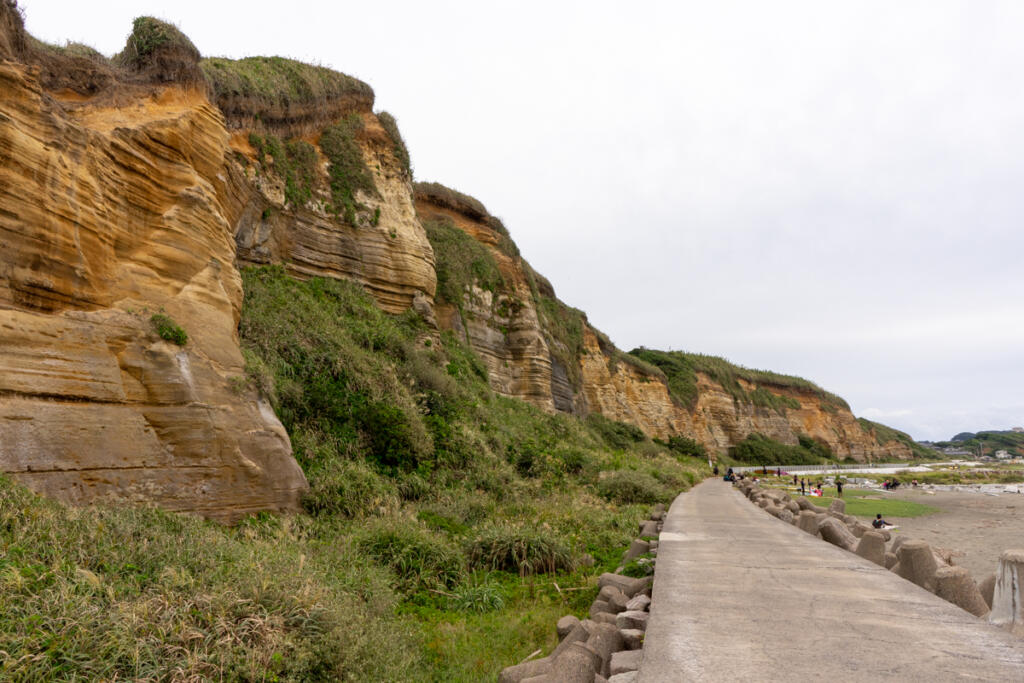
[[825, 189]]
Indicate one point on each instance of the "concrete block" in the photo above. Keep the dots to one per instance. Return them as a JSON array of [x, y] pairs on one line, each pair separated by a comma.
[[988, 588], [838, 505], [955, 585], [917, 564], [565, 625], [632, 619], [632, 638], [626, 584], [872, 547], [625, 661], [833, 531]]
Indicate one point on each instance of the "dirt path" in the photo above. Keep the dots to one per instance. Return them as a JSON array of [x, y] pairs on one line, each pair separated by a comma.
[[979, 525]]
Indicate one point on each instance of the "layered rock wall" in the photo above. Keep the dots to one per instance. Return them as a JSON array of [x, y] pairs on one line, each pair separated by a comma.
[[108, 215]]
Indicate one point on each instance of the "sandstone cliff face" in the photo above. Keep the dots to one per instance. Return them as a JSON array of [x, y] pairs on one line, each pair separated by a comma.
[[529, 359], [384, 247], [502, 327], [108, 215]]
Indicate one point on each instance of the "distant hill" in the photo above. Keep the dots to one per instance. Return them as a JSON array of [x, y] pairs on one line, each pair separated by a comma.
[[987, 443]]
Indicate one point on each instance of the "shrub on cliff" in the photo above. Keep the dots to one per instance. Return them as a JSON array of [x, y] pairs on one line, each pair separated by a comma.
[[519, 549], [158, 51], [686, 446], [401, 152], [629, 486], [758, 449], [616, 434], [417, 557]]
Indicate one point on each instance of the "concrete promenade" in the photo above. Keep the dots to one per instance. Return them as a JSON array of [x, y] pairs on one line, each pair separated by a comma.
[[742, 596]]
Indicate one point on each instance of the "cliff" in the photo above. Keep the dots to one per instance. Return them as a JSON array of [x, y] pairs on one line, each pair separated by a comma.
[[539, 349], [134, 188]]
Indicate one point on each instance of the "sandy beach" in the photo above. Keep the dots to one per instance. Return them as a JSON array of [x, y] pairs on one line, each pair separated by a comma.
[[979, 525]]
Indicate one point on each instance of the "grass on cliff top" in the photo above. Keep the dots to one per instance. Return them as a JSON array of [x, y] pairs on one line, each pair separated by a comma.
[[437, 513], [681, 368], [471, 207], [150, 35], [279, 81]]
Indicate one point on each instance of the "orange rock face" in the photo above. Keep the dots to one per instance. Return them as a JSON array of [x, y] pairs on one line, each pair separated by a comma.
[[108, 216], [504, 328], [386, 249]]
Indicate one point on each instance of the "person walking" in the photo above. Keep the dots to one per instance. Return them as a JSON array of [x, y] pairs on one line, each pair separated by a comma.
[[839, 486], [803, 487]]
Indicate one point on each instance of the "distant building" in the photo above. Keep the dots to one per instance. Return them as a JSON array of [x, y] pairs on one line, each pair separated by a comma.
[[1018, 429], [1003, 455]]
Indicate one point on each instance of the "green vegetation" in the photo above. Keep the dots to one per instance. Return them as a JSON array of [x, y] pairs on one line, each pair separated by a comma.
[[295, 161], [868, 505], [147, 37], [347, 169], [443, 520], [884, 435], [460, 261], [469, 206], [563, 325], [69, 49], [760, 450], [279, 81], [681, 370], [401, 152], [632, 487], [169, 330], [688, 447], [986, 443]]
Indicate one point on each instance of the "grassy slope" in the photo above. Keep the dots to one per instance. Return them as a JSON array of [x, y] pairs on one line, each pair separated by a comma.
[[681, 368], [422, 480], [886, 434]]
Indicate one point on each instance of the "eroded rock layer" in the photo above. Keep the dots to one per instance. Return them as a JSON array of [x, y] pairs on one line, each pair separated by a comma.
[[556, 360], [109, 215]]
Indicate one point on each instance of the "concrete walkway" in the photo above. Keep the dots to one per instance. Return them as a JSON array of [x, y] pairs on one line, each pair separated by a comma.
[[742, 596]]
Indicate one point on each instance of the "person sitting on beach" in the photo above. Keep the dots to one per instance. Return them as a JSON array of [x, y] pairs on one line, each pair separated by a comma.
[[878, 522]]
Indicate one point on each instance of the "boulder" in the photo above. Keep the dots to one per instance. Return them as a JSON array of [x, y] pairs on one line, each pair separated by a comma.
[[987, 588], [872, 547], [858, 529], [604, 640], [632, 619], [764, 502], [521, 672], [785, 515], [808, 521], [628, 677], [637, 548], [599, 606], [625, 661], [626, 584], [657, 516], [833, 531], [793, 507], [649, 528], [916, 563], [577, 664], [895, 548], [890, 560], [955, 585], [565, 625], [837, 505], [604, 618], [805, 504], [886, 534], [632, 638], [638, 603], [618, 602]]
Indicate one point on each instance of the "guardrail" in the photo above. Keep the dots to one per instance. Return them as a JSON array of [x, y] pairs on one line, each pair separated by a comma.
[[795, 469]]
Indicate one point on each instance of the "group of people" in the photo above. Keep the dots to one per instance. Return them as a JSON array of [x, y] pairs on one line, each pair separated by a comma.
[[890, 485]]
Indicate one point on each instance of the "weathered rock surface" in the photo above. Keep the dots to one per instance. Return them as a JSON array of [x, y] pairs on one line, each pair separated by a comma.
[[110, 214], [386, 249]]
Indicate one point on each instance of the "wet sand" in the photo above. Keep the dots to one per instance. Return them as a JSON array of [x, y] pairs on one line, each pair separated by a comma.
[[980, 526]]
